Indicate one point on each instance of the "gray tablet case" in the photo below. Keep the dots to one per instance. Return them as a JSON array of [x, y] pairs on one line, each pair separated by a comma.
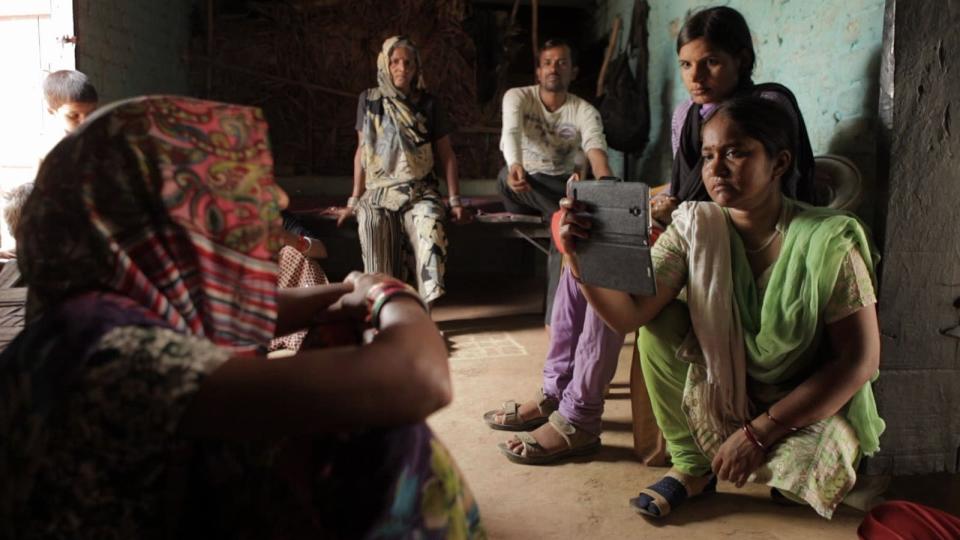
[[617, 254]]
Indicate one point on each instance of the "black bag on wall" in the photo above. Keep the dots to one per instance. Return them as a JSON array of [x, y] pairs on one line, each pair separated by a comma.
[[624, 110]]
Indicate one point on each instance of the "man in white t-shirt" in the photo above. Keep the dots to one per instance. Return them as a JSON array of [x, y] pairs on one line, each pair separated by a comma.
[[544, 128]]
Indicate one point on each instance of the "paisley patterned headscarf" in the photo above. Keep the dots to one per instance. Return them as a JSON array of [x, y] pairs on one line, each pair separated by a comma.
[[399, 129], [169, 201]]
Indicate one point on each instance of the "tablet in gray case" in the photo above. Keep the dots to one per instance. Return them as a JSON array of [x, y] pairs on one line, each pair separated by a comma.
[[617, 254]]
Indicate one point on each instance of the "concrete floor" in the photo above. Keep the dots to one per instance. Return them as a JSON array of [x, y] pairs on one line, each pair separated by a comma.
[[500, 346]]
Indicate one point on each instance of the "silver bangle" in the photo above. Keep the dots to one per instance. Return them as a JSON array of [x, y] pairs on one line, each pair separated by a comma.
[[352, 202], [455, 201]]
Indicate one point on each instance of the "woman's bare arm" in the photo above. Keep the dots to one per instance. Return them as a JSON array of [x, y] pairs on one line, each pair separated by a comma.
[[624, 312], [359, 176], [855, 343], [359, 182], [448, 163], [620, 310], [401, 377], [298, 307]]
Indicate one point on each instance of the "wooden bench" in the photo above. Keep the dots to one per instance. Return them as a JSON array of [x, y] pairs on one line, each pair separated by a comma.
[[490, 224], [491, 219]]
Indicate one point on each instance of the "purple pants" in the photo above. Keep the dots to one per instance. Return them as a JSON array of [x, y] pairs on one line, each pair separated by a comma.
[[581, 358]]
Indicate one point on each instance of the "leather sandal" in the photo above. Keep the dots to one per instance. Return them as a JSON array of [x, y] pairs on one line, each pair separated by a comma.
[[579, 443], [666, 494], [511, 414]]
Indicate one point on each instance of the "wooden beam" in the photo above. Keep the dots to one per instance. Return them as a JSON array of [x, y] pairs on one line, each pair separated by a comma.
[[535, 30], [611, 46], [209, 47]]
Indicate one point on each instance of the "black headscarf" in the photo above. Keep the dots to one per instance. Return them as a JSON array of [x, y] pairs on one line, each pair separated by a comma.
[[686, 183]]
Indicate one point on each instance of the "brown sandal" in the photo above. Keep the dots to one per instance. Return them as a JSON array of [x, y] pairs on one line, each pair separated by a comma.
[[579, 443], [511, 414]]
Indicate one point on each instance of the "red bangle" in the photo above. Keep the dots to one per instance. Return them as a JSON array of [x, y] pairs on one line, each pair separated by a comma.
[[752, 437], [303, 244], [389, 293], [781, 424], [374, 291]]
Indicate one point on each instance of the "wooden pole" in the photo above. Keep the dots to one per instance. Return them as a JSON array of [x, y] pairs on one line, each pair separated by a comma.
[[535, 30], [513, 13], [611, 46], [209, 47], [310, 152]]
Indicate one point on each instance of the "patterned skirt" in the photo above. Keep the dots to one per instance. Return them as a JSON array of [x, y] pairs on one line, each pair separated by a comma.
[[401, 227], [296, 270], [816, 464]]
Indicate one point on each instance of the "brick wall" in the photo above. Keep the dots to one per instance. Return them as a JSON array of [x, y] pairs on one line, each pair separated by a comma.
[[133, 47]]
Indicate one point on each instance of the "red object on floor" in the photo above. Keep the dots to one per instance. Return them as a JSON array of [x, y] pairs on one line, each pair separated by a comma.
[[902, 520]]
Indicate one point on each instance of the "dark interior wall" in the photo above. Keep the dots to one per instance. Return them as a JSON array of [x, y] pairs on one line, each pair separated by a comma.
[[134, 47], [919, 388], [304, 63], [571, 24]]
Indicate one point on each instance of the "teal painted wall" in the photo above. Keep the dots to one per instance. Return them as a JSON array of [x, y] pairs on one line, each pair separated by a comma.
[[826, 51]]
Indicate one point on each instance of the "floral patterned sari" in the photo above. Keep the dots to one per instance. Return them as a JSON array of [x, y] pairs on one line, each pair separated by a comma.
[[148, 246]]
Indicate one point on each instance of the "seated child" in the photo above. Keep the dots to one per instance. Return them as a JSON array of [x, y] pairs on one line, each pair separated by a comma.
[[70, 98], [12, 209], [298, 268]]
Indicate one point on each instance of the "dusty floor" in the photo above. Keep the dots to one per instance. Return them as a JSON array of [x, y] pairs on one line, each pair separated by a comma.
[[500, 345]]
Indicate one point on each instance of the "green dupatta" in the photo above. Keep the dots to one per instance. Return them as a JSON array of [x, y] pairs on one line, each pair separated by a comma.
[[778, 332]]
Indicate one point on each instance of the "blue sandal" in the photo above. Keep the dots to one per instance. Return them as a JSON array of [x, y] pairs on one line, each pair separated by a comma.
[[669, 492]]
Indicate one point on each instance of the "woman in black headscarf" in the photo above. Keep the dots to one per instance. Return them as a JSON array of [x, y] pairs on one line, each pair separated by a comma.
[[716, 58]]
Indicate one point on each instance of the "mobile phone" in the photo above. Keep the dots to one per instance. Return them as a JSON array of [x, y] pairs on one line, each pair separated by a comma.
[[617, 253]]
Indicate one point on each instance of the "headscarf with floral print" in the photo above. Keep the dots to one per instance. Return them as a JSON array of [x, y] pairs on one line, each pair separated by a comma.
[[169, 201]]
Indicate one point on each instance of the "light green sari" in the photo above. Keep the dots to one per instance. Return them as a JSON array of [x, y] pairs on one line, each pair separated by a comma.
[[781, 328], [782, 315]]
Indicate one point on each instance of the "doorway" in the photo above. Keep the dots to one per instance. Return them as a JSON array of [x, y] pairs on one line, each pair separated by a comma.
[[37, 36]]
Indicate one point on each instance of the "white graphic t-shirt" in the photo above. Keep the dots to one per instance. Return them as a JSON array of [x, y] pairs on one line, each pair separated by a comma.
[[546, 142]]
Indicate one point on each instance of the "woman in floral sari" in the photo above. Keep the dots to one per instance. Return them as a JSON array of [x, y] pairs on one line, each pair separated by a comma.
[[137, 403], [396, 199], [764, 373]]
